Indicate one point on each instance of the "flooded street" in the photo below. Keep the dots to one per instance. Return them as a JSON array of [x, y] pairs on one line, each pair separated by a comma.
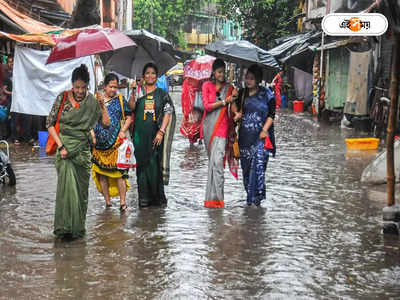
[[317, 236]]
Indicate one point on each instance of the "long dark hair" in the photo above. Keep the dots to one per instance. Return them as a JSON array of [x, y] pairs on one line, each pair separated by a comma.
[[257, 72]]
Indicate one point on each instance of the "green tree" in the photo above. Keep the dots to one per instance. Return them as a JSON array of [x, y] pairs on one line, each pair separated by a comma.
[[262, 21], [165, 17]]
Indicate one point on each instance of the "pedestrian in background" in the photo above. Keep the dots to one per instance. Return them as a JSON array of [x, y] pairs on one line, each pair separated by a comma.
[[277, 83], [257, 107], [7, 91], [153, 131], [190, 127], [80, 111], [217, 130], [110, 181]]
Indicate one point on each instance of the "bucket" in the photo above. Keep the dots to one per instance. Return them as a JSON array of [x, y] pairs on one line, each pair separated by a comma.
[[43, 135], [298, 106], [284, 101]]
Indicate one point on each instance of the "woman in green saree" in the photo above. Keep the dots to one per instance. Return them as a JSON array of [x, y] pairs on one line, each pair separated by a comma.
[[154, 126], [79, 113]]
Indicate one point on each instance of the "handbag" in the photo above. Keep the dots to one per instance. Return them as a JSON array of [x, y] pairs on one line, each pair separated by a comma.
[[127, 134], [3, 113], [198, 101], [51, 145], [235, 145]]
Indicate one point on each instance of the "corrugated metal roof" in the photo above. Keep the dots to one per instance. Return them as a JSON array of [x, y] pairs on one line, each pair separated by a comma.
[[47, 11], [27, 23]]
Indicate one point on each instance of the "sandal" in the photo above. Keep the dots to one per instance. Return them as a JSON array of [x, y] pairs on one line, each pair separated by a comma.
[[123, 208]]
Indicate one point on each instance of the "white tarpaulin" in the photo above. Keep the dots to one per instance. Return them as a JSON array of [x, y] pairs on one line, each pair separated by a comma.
[[36, 85]]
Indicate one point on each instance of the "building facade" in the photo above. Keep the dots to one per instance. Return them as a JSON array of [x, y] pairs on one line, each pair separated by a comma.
[[207, 26]]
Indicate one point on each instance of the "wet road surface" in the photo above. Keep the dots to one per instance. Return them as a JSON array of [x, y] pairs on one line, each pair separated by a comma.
[[317, 236]]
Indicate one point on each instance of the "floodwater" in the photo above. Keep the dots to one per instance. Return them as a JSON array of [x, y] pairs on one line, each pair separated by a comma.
[[317, 236]]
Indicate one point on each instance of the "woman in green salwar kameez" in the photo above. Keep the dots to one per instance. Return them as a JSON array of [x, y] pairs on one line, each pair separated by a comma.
[[80, 111], [154, 126]]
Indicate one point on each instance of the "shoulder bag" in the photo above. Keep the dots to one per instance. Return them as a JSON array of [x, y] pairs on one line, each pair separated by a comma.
[[51, 145]]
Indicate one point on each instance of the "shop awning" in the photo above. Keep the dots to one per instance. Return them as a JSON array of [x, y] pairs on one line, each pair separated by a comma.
[[295, 45], [25, 22], [338, 44]]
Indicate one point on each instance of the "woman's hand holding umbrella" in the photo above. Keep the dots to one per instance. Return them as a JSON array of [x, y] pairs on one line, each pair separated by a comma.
[[232, 97], [105, 121], [100, 98]]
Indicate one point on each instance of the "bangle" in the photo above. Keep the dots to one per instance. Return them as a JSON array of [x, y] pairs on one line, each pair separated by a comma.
[[223, 102], [61, 147], [162, 130], [265, 131]]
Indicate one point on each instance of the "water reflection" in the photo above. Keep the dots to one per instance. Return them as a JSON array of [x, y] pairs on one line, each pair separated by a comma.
[[72, 278]]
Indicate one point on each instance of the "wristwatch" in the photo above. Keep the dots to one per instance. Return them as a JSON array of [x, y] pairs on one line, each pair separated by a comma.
[[61, 147]]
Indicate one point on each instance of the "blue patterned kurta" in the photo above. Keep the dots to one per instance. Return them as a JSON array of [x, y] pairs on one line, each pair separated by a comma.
[[106, 137], [253, 156]]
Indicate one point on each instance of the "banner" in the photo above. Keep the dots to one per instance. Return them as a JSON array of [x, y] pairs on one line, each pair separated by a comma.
[[36, 85]]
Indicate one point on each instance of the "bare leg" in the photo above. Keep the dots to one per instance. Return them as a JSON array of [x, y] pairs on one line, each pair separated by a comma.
[[104, 188], [122, 192]]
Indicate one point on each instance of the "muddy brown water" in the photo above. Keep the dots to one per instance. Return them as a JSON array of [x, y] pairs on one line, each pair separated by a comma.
[[317, 236]]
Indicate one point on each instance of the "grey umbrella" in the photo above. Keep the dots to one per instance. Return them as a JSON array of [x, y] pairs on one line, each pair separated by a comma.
[[150, 48], [242, 53]]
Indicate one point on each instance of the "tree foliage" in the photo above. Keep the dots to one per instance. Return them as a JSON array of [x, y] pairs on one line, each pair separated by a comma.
[[165, 17], [262, 21]]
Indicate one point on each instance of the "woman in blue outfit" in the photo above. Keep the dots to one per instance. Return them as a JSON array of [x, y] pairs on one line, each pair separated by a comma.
[[256, 107]]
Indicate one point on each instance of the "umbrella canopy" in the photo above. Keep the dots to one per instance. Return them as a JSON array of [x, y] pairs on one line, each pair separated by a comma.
[[199, 68], [89, 41], [241, 53], [150, 48]]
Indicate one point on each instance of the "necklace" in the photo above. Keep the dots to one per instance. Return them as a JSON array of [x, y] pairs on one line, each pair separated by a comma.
[[149, 104]]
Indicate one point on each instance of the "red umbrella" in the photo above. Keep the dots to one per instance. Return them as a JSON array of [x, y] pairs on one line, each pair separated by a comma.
[[199, 68], [88, 41]]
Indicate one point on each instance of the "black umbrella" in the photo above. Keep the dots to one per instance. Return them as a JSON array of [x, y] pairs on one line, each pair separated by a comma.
[[150, 48], [241, 53]]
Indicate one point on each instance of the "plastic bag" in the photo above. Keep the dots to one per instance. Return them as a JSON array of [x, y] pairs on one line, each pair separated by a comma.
[[268, 145], [3, 113], [126, 158]]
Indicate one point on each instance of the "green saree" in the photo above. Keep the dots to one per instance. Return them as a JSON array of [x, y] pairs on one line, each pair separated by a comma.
[[152, 169], [73, 173]]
